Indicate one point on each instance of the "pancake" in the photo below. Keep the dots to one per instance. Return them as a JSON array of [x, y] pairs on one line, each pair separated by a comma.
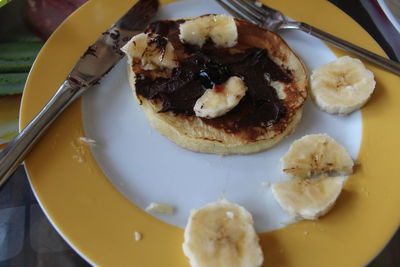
[[263, 117]]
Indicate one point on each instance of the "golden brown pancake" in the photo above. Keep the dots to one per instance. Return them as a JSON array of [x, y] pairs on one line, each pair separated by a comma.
[[241, 130]]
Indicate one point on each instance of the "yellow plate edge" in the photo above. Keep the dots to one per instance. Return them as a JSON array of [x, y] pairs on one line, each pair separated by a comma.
[[343, 238]]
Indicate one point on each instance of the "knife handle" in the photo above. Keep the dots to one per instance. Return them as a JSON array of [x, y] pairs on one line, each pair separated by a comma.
[[14, 153]]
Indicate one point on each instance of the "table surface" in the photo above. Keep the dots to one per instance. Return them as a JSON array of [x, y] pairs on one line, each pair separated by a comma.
[[26, 236]]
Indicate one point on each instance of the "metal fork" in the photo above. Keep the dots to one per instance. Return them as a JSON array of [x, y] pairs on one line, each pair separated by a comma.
[[273, 20]]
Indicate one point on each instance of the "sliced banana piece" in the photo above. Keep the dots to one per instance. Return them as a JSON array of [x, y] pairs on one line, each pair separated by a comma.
[[135, 47], [153, 50], [315, 154], [223, 31], [279, 88], [342, 86], [221, 234], [220, 28], [195, 31], [220, 99], [308, 198]]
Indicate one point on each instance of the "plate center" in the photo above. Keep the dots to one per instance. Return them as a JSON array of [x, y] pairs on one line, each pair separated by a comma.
[[147, 167]]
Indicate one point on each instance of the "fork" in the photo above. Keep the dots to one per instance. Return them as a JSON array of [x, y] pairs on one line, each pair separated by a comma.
[[273, 20]]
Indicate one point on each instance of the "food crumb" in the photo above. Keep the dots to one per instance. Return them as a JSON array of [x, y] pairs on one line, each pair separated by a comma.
[[138, 236], [230, 214], [87, 140], [364, 191], [289, 221], [78, 158], [259, 4], [160, 208], [306, 233], [79, 154]]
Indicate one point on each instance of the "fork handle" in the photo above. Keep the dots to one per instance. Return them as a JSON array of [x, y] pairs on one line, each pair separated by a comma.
[[388, 64]]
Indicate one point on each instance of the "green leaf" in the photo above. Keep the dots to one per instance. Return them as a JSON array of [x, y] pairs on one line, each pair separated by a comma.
[[20, 50], [12, 83], [3, 2], [7, 66], [18, 56]]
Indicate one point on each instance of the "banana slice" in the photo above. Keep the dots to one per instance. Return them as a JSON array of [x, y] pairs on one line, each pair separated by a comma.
[[315, 154], [221, 234], [342, 86], [195, 31], [223, 31], [220, 28], [154, 51], [220, 99], [308, 198]]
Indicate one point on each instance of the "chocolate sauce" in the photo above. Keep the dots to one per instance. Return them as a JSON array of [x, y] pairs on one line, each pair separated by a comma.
[[163, 27], [159, 41], [210, 66], [178, 93], [91, 50], [115, 35]]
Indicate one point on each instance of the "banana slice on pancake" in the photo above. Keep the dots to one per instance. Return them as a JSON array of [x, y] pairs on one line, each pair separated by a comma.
[[220, 99], [153, 51], [221, 29]]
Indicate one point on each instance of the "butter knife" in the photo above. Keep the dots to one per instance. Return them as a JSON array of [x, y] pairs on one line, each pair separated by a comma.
[[97, 61]]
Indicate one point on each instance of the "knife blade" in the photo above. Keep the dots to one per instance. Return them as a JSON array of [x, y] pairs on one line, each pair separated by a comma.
[[103, 54], [96, 61]]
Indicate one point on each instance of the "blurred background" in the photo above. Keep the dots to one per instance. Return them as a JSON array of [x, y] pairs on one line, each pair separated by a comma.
[[26, 236]]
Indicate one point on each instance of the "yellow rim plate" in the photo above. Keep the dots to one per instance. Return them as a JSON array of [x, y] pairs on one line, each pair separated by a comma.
[[100, 223]]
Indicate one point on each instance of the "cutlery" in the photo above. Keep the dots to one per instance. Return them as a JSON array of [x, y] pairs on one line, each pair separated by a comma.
[[97, 61], [273, 20]]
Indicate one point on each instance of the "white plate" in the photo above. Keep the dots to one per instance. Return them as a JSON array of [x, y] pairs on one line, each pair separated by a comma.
[[147, 167]]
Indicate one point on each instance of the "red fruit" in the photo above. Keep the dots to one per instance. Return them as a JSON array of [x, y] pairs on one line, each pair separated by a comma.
[[44, 16]]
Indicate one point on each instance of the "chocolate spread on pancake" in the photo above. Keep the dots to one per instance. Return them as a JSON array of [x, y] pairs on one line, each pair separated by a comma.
[[201, 69]]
